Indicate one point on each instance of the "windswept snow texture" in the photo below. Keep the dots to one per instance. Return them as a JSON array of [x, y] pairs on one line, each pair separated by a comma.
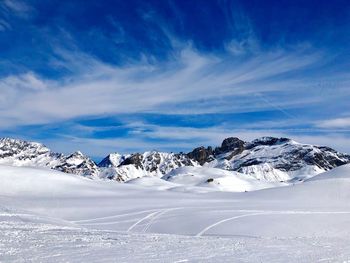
[[49, 216]]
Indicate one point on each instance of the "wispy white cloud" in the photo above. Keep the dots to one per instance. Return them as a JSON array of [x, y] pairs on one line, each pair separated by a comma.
[[338, 123], [194, 83], [4, 25], [145, 137], [103, 146], [10, 9], [27, 81], [17, 6], [215, 134]]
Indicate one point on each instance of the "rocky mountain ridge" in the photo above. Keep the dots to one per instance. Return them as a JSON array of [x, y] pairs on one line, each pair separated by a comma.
[[267, 158], [23, 153]]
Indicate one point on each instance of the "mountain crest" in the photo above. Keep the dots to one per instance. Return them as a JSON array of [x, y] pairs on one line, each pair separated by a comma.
[[23, 153], [265, 158]]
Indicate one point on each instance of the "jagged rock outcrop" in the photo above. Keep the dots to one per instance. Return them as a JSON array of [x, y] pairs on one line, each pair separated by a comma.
[[266, 158], [231, 144], [152, 163], [112, 160], [23, 153], [77, 163], [202, 155], [274, 159]]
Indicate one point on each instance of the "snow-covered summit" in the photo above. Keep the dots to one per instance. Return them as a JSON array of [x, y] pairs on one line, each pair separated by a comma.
[[150, 163], [17, 152], [23, 153], [279, 159], [113, 160], [78, 163], [267, 158]]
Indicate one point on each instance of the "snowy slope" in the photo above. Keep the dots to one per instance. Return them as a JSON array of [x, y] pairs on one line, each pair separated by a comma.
[[32, 181], [217, 179], [54, 217]]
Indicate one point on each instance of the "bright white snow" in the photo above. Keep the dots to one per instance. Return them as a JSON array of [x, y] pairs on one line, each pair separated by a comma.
[[49, 216], [217, 179]]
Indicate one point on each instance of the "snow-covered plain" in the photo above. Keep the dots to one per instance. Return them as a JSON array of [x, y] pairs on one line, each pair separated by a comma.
[[49, 216]]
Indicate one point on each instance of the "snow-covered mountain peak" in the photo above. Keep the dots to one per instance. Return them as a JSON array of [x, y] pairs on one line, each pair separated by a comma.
[[281, 159], [113, 160], [77, 153], [23, 153], [150, 163], [268, 158], [16, 145], [270, 141], [78, 163], [76, 158], [230, 144]]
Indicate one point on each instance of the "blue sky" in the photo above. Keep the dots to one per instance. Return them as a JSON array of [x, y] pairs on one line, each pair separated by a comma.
[[126, 76]]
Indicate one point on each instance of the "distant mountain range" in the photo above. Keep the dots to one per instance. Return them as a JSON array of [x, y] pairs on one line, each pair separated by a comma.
[[269, 159]]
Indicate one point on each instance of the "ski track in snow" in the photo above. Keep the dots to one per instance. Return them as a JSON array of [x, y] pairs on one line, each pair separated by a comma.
[[38, 242], [141, 220], [268, 213], [157, 216], [223, 221], [114, 216], [152, 216]]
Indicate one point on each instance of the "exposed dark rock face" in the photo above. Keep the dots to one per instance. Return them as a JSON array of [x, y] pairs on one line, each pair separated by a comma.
[[135, 159], [286, 155], [202, 155], [152, 163], [282, 154], [230, 144], [113, 160], [77, 163], [106, 162], [268, 141], [14, 149], [327, 158], [155, 161]]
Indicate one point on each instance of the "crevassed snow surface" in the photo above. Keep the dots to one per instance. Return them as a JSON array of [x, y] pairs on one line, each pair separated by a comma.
[[48, 216]]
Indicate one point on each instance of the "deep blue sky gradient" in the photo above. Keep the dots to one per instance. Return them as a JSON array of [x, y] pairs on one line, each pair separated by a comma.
[[52, 46]]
